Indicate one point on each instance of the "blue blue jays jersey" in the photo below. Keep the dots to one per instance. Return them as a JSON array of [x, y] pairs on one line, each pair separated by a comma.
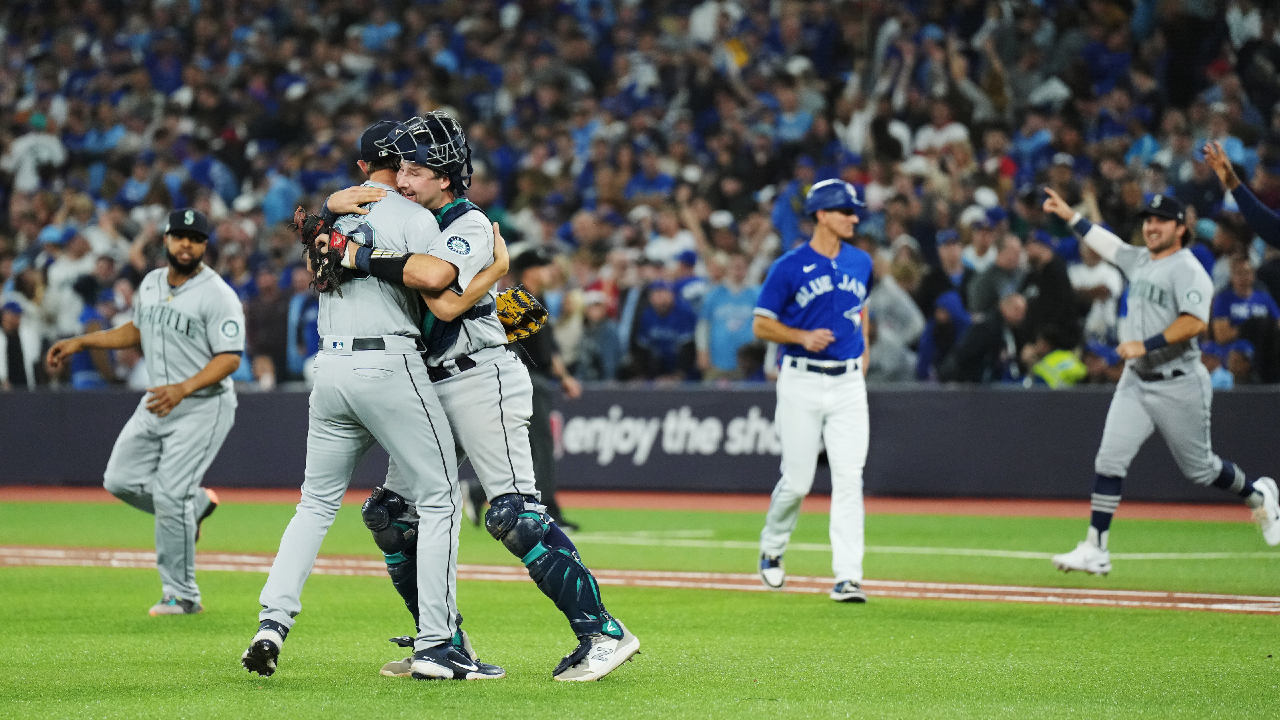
[[808, 291]]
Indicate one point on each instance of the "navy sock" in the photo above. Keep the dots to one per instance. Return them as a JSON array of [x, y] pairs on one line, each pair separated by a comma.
[[1104, 502], [555, 537], [1233, 479]]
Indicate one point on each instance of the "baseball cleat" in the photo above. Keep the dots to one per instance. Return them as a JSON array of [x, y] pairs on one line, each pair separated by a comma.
[[174, 605], [598, 655], [1087, 557], [772, 572], [1268, 513], [848, 591], [446, 662], [403, 668], [213, 505], [264, 649]]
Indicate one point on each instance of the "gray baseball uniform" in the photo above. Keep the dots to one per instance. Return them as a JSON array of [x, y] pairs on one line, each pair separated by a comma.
[[158, 462], [1167, 389], [383, 394], [494, 394]]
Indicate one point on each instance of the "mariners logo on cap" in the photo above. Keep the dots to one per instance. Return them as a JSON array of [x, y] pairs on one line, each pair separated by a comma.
[[458, 245], [1155, 201]]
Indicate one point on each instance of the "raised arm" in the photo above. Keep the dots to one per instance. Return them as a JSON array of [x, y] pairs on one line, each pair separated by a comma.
[[1103, 242], [1261, 219]]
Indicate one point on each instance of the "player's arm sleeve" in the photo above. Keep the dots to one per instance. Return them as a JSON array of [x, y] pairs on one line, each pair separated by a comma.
[[224, 324], [467, 245], [773, 294], [1194, 291], [1104, 242], [1261, 219]]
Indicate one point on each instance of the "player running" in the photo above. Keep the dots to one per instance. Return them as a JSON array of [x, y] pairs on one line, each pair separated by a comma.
[[1164, 387], [190, 325], [812, 305], [371, 385], [486, 391]]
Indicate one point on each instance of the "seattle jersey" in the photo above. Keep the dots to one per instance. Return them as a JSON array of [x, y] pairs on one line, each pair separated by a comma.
[[806, 290], [182, 328], [368, 306], [1160, 291], [467, 244]]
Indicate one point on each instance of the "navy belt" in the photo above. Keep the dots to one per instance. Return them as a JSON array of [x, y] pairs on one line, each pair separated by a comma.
[[377, 343], [1156, 377], [438, 374]]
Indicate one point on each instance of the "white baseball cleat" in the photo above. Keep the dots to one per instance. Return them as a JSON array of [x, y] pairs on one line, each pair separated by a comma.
[[848, 591], [1268, 513], [772, 572], [1087, 557], [597, 655]]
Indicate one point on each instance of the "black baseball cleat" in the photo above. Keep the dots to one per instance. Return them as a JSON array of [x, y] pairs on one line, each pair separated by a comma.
[[213, 505], [264, 649], [446, 662]]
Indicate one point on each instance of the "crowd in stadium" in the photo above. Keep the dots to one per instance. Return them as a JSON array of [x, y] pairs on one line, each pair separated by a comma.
[[661, 150]]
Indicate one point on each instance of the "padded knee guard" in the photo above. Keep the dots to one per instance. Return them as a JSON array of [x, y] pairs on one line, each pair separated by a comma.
[[522, 525], [380, 512], [517, 522], [398, 542]]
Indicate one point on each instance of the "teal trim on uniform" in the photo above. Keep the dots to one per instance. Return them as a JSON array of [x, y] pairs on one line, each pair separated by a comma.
[[612, 629], [395, 558], [538, 551], [428, 322], [444, 210]]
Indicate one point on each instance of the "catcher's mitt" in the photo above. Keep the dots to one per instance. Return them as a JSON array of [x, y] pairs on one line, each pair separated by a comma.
[[326, 263], [520, 312]]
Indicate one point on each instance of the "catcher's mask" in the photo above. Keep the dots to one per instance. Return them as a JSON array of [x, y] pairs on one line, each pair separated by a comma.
[[435, 141]]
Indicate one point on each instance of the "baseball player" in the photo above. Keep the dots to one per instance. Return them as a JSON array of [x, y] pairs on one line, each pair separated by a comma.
[[486, 393], [371, 385], [812, 304], [1164, 387], [190, 325]]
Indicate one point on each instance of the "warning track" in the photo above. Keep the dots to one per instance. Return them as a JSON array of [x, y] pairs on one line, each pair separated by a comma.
[[248, 562]]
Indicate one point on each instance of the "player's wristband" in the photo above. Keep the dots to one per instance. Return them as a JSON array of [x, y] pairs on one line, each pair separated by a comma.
[[327, 215], [1155, 342], [382, 264], [1080, 225]]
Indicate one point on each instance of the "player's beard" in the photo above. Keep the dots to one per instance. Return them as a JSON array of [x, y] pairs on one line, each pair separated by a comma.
[[183, 268]]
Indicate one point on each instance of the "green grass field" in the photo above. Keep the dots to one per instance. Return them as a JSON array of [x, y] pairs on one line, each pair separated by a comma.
[[76, 642]]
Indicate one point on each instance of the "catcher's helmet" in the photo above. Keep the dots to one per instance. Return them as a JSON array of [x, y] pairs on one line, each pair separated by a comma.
[[435, 141], [831, 195]]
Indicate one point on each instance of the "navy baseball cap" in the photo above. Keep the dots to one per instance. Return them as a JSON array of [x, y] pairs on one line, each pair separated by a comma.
[[367, 146], [831, 195], [188, 221], [946, 236], [1165, 206], [531, 258], [688, 257], [12, 307]]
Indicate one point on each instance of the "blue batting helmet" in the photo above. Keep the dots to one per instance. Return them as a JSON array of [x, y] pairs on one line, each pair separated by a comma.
[[831, 195]]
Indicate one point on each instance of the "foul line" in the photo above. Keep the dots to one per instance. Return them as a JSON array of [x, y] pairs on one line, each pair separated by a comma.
[[246, 562], [682, 539]]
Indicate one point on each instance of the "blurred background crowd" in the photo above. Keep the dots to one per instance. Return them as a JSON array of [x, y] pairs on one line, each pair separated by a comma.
[[658, 152]]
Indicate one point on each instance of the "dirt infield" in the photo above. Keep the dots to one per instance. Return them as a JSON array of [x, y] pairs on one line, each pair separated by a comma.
[[726, 502], [250, 562]]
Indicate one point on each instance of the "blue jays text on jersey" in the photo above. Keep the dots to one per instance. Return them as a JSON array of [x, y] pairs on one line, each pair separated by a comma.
[[806, 290]]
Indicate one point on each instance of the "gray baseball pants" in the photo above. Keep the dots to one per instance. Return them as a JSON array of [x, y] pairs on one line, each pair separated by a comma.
[[157, 465], [361, 397], [1178, 407]]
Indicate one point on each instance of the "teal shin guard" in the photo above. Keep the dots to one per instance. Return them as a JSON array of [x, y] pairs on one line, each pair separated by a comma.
[[561, 576]]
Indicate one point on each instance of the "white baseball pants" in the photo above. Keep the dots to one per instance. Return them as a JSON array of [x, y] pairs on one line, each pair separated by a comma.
[[814, 408]]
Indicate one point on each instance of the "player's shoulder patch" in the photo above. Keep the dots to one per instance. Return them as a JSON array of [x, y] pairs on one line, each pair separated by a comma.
[[230, 329], [1194, 297], [458, 245]]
